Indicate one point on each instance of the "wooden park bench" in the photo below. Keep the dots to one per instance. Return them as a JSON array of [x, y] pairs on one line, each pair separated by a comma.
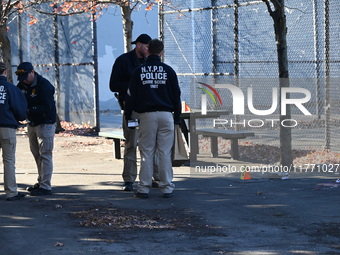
[[231, 135], [117, 137]]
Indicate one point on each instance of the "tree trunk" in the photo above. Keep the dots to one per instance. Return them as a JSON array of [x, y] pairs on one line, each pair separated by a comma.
[[280, 27], [127, 27], [5, 46]]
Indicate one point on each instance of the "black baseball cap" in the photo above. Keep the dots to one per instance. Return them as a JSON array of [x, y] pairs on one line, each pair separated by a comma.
[[143, 38], [23, 70]]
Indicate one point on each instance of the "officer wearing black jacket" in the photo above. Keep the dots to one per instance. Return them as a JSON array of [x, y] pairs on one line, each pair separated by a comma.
[[154, 93], [122, 69], [12, 109], [41, 114]]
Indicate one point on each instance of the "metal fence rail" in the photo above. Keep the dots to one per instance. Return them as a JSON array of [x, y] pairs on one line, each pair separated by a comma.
[[233, 42]]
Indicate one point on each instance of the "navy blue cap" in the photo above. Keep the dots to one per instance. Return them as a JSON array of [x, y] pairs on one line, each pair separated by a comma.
[[23, 70], [143, 38]]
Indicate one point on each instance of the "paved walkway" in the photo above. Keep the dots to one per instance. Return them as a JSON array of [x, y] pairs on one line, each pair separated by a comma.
[[209, 214]]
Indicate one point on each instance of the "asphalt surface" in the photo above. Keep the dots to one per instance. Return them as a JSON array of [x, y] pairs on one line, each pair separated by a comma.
[[88, 213]]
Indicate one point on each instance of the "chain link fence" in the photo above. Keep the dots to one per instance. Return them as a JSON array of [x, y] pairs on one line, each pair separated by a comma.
[[62, 50], [233, 42]]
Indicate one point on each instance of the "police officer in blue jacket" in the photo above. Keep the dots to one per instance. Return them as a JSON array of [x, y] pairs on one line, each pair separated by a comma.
[[41, 114], [122, 69], [12, 110], [154, 93]]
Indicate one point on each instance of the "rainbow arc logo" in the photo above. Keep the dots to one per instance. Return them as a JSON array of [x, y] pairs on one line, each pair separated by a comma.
[[213, 94]]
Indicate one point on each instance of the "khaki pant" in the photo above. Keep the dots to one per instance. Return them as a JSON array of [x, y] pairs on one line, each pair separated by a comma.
[[41, 139], [8, 146], [156, 134], [130, 153]]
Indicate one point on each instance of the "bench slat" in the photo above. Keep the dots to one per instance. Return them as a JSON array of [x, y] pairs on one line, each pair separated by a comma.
[[232, 135], [117, 136], [112, 134]]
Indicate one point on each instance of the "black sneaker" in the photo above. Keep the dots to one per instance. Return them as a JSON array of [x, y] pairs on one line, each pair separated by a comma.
[[17, 197], [34, 187], [167, 195], [128, 186], [41, 192], [142, 195]]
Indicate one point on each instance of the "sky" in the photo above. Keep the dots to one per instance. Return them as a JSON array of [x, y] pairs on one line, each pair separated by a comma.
[[111, 44]]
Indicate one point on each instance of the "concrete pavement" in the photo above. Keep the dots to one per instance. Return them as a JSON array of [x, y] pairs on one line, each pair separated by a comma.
[[209, 214]]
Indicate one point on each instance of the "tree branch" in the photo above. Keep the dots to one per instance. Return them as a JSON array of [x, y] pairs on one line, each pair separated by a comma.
[[88, 8], [276, 3], [59, 14], [269, 8]]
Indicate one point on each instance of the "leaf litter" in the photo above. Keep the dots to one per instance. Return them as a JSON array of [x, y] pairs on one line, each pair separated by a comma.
[[268, 154], [112, 218]]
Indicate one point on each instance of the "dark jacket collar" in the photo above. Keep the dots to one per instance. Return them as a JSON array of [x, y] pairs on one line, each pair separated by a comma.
[[153, 58]]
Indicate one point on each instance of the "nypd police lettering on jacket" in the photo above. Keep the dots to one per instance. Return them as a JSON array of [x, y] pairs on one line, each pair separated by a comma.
[[3, 94], [153, 76]]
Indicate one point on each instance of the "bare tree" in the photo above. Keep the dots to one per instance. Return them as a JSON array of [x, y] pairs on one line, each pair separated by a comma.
[[276, 10], [8, 8]]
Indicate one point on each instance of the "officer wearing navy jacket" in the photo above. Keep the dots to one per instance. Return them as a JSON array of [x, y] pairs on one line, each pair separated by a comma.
[[154, 93], [12, 110], [41, 114], [122, 69]]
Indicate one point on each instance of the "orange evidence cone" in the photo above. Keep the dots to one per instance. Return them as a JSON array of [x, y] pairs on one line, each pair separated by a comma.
[[187, 108], [245, 176]]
